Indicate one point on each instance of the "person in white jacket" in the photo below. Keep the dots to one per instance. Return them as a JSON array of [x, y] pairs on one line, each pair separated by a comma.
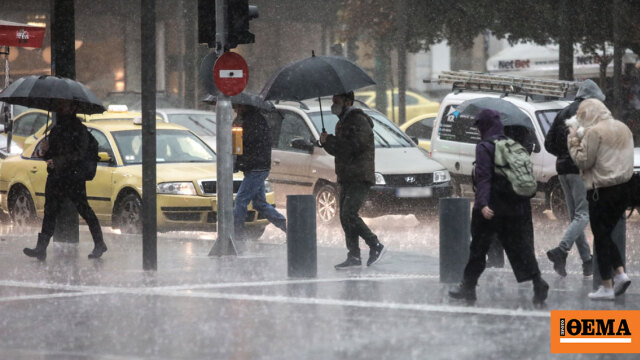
[[602, 148]]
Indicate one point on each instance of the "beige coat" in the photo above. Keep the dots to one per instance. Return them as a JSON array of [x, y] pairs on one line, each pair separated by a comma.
[[601, 146]]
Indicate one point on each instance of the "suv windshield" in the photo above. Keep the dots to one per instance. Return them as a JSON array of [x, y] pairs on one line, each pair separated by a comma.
[[385, 133], [172, 146], [545, 118]]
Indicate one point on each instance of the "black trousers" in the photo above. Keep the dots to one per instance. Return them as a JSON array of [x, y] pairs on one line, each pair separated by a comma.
[[352, 196], [515, 233], [56, 190], [606, 207]]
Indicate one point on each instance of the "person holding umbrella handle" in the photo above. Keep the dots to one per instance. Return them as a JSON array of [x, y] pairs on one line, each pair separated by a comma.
[[354, 151]]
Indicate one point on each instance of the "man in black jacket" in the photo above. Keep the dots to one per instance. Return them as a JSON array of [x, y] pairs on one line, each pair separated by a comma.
[[354, 151], [64, 150], [255, 163], [572, 185]]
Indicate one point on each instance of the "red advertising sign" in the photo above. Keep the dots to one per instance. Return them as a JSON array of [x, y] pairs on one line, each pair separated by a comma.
[[230, 74], [21, 35]]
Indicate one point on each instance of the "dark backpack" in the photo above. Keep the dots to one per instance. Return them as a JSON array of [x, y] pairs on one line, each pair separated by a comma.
[[91, 158], [633, 188]]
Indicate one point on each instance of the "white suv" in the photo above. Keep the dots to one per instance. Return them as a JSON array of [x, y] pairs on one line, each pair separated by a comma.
[[407, 181], [454, 140]]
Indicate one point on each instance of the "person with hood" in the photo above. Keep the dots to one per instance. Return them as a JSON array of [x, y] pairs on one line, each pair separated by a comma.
[[602, 148], [64, 151], [496, 213], [255, 163], [354, 151], [575, 193]]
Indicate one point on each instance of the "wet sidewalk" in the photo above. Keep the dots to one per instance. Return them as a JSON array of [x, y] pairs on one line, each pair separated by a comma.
[[245, 307]]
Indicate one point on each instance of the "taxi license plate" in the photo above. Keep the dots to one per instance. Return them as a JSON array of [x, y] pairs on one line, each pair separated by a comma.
[[413, 192]]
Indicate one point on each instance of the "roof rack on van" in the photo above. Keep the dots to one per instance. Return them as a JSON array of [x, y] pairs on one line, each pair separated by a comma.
[[471, 80]]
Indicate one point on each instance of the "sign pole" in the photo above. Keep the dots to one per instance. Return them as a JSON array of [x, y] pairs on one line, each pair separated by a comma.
[[224, 245]]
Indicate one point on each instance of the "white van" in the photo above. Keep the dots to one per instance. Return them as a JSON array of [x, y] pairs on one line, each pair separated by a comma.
[[407, 180], [453, 145]]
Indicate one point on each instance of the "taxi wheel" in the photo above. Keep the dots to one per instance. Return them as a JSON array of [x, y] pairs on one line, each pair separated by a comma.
[[253, 233], [327, 205], [129, 214], [21, 208]]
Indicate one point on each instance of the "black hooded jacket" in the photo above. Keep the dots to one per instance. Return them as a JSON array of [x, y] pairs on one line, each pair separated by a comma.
[[68, 142], [556, 140], [256, 143]]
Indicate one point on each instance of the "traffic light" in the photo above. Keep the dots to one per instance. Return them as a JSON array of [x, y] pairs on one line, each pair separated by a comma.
[[239, 13], [207, 22]]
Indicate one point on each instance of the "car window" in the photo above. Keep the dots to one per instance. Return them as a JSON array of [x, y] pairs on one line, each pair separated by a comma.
[[421, 129], [103, 142], [24, 125], [545, 118], [292, 127], [455, 128], [385, 133], [36, 151], [201, 124], [172, 146]]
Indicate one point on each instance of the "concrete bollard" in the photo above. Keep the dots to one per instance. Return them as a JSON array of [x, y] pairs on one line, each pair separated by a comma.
[[619, 237], [302, 254], [455, 237]]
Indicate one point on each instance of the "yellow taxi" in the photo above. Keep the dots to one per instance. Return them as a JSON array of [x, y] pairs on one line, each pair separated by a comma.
[[420, 128], [32, 124], [416, 104], [186, 176]]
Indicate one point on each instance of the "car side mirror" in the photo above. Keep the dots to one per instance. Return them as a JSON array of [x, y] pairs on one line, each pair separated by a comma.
[[302, 144], [104, 157]]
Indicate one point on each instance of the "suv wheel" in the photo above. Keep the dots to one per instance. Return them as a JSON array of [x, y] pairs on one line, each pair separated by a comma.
[[557, 202], [327, 204]]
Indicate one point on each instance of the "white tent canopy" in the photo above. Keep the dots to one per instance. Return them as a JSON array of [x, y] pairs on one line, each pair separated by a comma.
[[533, 60]]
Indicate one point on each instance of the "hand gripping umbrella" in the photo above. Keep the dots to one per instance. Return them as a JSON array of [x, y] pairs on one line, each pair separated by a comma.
[[313, 77]]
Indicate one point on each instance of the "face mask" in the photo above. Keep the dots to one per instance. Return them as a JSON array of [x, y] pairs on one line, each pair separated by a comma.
[[336, 109]]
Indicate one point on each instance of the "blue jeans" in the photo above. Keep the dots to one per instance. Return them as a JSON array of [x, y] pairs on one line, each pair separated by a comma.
[[576, 196], [252, 190]]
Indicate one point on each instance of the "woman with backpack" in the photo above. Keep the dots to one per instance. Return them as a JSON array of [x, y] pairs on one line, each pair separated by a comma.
[[65, 151], [602, 148], [497, 211]]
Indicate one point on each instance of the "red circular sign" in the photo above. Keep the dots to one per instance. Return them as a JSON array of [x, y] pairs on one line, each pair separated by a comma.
[[230, 73]]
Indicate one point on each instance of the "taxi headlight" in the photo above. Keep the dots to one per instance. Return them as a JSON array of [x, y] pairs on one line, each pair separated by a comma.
[[380, 179], [177, 188], [267, 186], [441, 176]]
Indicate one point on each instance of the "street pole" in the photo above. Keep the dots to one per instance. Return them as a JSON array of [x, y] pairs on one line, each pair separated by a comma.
[[63, 64], [224, 192], [148, 74]]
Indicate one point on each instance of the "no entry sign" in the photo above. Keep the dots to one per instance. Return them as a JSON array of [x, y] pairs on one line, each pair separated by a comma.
[[230, 73]]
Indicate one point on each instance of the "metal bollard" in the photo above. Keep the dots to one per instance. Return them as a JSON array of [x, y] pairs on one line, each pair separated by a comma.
[[302, 254], [455, 237], [619, 237]]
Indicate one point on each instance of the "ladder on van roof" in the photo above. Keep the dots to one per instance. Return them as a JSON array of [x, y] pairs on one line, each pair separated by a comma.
[[477, 81]]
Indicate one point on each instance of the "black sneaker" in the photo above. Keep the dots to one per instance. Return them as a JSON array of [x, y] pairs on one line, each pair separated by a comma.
[[587, 267], [463, 292], [376, 253], [559, 260], [351, 262]]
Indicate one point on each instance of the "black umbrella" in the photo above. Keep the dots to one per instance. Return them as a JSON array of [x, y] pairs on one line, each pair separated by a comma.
[[244, 98], [316, 76], [49, 92], [510, 114]]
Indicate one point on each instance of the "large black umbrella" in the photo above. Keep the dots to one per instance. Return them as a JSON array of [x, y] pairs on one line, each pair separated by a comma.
[[244, 98], [510, 114], [49, 92], [316, 76]]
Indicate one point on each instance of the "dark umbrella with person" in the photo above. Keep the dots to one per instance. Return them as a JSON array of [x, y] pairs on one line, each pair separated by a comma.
[[315, 77], [51, 93]]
